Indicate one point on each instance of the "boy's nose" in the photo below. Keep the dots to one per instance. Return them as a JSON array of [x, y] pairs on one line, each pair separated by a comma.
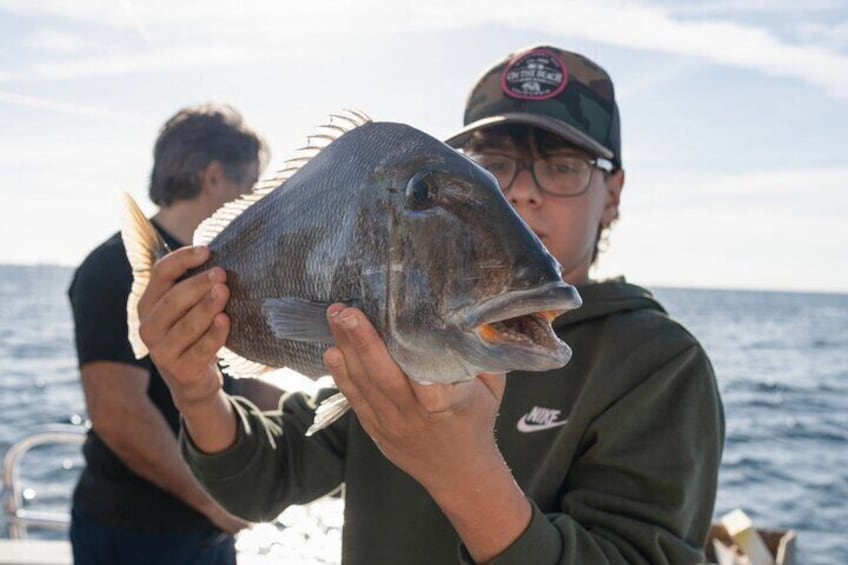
[[524, 188]]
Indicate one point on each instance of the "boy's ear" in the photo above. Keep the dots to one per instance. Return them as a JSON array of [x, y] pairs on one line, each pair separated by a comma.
[[614, 186]]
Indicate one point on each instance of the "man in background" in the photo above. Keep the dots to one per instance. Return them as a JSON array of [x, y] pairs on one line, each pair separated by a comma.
[[136, 500]]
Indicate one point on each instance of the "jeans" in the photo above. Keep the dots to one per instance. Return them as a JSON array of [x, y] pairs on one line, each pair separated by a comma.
[[95, 543]]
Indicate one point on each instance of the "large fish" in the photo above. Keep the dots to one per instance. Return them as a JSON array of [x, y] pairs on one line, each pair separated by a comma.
[[389, 219]]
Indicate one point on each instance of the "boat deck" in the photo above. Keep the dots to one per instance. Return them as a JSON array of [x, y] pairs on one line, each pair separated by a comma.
[[35, 552]]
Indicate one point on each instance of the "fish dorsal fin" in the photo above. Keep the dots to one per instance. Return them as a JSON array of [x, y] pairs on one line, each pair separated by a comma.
[[338, 125]]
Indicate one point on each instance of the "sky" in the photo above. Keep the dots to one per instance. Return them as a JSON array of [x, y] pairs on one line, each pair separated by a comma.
[[734, 113]]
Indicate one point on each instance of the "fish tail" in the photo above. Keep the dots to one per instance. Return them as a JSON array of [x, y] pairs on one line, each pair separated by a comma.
[[330, 410], [144, 246]]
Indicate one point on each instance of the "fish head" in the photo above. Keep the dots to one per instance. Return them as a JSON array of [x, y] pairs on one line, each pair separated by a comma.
[[469, 288]]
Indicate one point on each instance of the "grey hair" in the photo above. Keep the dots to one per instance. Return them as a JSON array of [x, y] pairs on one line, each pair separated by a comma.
[[193, 138]]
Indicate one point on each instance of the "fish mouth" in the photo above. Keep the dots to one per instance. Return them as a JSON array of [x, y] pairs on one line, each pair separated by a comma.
[[518, 323], [532, 330]]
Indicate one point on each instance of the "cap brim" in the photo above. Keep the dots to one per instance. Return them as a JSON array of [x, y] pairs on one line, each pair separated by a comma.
[[547, 123]]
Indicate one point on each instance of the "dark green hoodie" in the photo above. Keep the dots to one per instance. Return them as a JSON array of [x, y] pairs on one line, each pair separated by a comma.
[[618, 452]]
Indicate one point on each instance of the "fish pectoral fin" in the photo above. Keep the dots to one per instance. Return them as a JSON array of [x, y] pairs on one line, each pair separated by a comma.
[[297, 319]]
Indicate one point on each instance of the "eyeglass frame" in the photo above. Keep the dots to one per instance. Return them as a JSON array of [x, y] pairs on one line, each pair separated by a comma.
[[520, 164]]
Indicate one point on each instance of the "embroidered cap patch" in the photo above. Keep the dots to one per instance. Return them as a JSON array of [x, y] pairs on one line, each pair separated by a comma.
[[538, 75]]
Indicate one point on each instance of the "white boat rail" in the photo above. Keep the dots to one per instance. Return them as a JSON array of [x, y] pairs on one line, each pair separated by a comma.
[[308, 534], [12, 497]]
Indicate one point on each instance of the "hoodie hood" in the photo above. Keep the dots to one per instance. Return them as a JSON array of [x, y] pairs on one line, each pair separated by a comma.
[[608, 297]]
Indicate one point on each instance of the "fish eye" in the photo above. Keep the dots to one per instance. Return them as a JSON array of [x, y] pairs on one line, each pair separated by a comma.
[[422, 190]]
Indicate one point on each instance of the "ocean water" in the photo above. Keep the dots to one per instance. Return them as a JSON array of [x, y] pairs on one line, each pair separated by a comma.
[[781, 360]]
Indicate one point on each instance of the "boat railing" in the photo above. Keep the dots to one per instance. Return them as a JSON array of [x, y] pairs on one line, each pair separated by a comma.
[[12, 498], [310, 533]]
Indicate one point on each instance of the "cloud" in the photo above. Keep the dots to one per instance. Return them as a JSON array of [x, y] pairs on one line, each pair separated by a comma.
[[778, 229], [262, 27], [748, 7], [6, 76], [136, 21], [785, 181], [728, 248], [718, 41], [835, 35], [100, 13], [57, 42], [69, 108], [775, 229], [814, 193], [150, 60]]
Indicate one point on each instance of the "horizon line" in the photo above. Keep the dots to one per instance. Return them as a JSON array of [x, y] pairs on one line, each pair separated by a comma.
[[647, 285]]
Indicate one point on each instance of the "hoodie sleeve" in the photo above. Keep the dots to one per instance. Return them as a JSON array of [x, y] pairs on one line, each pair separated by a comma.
[[643, 488], [272, 464]]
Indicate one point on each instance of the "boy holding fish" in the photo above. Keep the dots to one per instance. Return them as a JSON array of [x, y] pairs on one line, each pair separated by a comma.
[[612, 458]]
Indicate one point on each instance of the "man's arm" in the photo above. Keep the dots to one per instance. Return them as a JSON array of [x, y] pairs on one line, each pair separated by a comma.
[[128, 422]]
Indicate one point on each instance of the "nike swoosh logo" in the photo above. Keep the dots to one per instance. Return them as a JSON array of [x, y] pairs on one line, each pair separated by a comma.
[[527, 427]]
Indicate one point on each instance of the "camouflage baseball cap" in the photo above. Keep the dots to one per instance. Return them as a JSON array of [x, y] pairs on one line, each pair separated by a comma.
[[559, 91]]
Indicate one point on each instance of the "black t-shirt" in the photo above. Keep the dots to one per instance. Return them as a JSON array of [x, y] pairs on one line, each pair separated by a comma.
[[107, 489]]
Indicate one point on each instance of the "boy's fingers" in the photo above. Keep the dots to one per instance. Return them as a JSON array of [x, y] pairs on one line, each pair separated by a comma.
[[369, 364], [210, 342], [203, 290], [199, 318], [335, 362], [341, 360], [168, 270]]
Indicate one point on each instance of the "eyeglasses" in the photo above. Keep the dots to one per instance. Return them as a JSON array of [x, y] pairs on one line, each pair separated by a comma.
[[556, 175]]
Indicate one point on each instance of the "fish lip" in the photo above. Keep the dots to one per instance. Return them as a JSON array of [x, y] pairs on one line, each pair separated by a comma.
[[558, 296]]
